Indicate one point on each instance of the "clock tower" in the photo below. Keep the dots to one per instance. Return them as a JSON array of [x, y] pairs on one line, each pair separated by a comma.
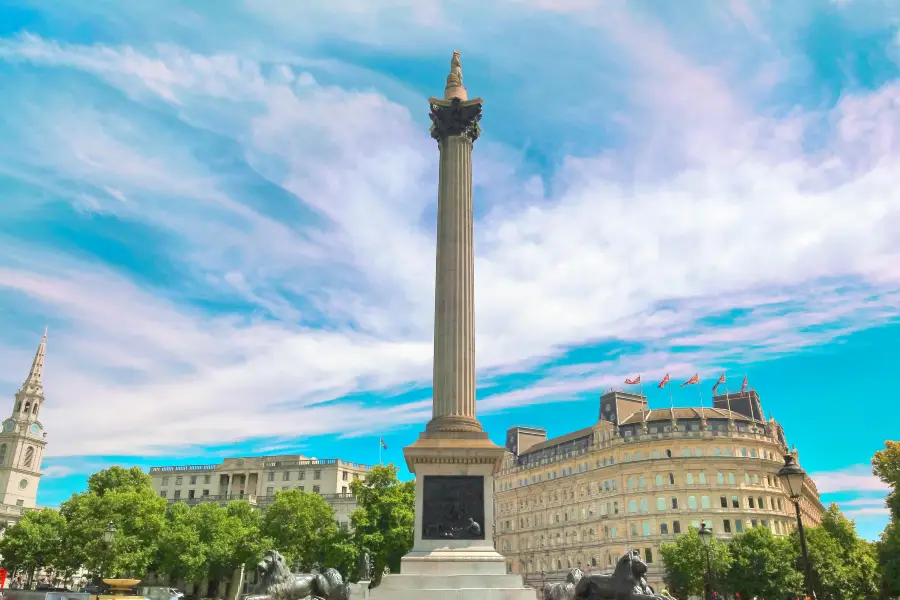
[[22, 439]]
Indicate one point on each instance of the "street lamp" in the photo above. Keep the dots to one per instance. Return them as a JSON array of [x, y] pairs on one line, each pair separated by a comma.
[[706, 536], [793, 475], [108, 536]]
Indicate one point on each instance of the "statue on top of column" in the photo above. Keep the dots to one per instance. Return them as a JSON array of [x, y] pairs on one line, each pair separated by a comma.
[[455, 87]]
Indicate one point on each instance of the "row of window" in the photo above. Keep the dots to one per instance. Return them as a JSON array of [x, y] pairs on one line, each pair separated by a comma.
[[636, 456], [640, 529], [285, 476], [639, 483], [27, 459], [270, 491], [635, 505]]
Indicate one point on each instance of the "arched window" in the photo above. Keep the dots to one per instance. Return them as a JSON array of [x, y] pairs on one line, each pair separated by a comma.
[[29, 456], [671, 479], [668, 453], [731, 478], [2, 453], [659, 479], [34, 408], [28, 407]]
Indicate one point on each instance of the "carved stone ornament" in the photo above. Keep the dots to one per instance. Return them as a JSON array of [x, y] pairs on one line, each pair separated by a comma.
[[455, 117], [453, 507]]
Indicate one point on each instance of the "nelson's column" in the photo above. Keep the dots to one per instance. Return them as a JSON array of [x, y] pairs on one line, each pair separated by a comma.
[[453, 554]]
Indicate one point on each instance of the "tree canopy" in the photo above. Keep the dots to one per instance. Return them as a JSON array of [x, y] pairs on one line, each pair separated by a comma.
[[35, 541], [886, 466], [384, 518], [301, 525], [763, 566], [685, 564]]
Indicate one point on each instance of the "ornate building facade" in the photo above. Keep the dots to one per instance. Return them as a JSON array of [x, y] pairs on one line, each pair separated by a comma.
[[22, 443], [637, 478], [257, 478]]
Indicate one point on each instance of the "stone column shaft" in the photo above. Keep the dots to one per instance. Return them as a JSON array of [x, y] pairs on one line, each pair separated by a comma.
[[455, 129]]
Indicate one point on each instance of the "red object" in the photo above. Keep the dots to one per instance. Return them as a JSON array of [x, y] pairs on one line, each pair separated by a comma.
[[634, 381], [664, 381], [692, 381], [2, 577], [719, 382]]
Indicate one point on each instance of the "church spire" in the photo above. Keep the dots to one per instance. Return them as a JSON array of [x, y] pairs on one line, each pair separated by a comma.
[[35, 376]]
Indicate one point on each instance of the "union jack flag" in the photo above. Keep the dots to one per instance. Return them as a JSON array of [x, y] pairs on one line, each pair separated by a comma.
[[721, 381], [692, 381], [664, 381], [634, 381]]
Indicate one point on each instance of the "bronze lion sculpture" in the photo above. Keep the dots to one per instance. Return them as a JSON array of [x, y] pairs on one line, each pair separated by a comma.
[[626, 583], [276, 582]]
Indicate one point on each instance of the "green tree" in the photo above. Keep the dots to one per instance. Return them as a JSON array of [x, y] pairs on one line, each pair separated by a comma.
[[886, 466], [231, 536], [763, 566], [301, 524], [384, 518], [844, 566], [124, 499], [34, 542], [340, 552], [685, 564], [180, 553]]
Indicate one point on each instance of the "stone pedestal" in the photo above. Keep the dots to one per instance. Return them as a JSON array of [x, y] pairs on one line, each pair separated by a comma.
[[452, 557]]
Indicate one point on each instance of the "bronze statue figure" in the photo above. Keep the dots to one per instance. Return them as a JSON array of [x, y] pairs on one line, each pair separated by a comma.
[[276, 582], [364, 565]]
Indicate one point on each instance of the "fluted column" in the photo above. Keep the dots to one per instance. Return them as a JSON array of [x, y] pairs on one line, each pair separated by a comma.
[[455, 127]]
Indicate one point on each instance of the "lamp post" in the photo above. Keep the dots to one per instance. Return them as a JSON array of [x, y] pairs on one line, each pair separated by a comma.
[[793, 475], [706, 539], [108, 536]]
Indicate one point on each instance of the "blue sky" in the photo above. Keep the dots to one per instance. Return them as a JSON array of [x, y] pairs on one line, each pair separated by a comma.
[[226, 218]]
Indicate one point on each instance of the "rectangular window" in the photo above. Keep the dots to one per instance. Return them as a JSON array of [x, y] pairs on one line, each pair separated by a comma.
[[648, 556], [177, 494], [270, 491], [205, 493], [750, 502], [723, 501], [753, 522], [178, 480], [317, 474], [645, 528], [190, 494], [664, 528], [704, 501], [643, 505], [676, 527], [343, 489], [615, 508], [760, 503], [193, 480], [162, 494], [20, 502], [207, 479], [739, 526], [702, 478], [765, 523], [271, 476], [284, 488], [286, 476], [692, 502], [661, 504], [612, 532], [735, 502], [302, 488], [301, 475], [726, 525], [315, 489], [634, 531], [345, 475], [695, 523], [674, 503], [165, 481]]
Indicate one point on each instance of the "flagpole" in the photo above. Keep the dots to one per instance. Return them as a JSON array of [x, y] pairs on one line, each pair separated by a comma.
[[380, 446], [700, 394]]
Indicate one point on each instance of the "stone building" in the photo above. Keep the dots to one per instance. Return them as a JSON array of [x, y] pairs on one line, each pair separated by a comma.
[[635, 479], [257, 478], [22, 442]]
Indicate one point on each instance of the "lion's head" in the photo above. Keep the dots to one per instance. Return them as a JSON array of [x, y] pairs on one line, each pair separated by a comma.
[[630, 568], [574, 576], [272, 569]]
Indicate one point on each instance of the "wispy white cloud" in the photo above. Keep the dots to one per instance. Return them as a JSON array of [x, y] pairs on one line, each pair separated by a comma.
[[711, 206], [853, 479]]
